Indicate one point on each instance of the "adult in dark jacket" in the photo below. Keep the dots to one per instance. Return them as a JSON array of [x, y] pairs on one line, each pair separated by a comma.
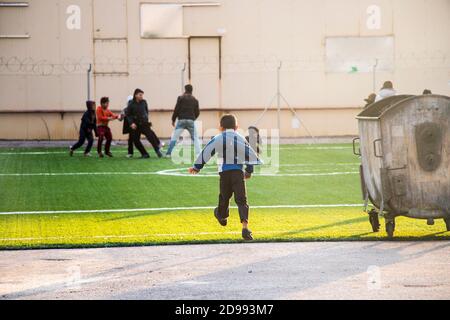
[[187, 110], [88, 126], [138, 119]]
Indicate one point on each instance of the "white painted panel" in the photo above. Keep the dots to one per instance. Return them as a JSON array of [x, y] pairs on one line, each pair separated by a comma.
[[111, 56], [205, 71], [13, 21], [110, 18], [359, 54], [161, 20]]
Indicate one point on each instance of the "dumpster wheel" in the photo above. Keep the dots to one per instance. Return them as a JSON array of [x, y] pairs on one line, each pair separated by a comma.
[[390, 228], [447, 223], [374, 220]]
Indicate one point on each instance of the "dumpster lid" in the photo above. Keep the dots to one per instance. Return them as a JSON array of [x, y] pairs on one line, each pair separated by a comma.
[[375, 110]]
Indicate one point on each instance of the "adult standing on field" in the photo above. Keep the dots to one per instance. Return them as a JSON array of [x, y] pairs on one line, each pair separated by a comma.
[[138, 120], [126, 128], [104, 117], [187, 111]]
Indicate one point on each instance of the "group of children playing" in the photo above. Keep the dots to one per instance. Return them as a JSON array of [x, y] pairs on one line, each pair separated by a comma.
[[135, 118], [236, 158]]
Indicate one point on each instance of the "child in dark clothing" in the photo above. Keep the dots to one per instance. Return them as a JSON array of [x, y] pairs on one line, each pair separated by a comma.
[[254, 139], [88, 126], [233, 152]]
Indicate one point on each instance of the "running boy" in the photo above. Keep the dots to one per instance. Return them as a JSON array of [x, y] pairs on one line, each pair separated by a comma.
[[88, 125], [233, 152]]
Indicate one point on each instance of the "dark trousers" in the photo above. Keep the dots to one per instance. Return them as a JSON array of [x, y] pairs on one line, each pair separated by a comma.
[[84, 134], [104, 133], [145, 130], [233, 182], [130, 144]]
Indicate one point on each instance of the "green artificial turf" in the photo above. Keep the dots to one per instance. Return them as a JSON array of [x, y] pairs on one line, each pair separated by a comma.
[[307, 176]]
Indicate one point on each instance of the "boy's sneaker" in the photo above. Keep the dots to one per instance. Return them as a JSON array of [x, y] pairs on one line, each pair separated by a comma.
[[71, 152], [247, 235], [87, 155], [145, 156], [101, 155], [129, 156], [223, 222], [109, 154]]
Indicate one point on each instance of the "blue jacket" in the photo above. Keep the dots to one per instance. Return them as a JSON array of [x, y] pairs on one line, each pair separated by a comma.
[[233, 152]]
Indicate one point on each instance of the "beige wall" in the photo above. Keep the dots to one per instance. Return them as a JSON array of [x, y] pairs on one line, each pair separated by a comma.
[[47, 71]]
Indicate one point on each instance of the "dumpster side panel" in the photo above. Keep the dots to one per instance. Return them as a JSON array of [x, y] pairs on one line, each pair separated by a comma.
[[418, 191], [369, 131]]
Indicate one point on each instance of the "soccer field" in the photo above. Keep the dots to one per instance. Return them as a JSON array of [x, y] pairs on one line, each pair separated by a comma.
[[48, 199]]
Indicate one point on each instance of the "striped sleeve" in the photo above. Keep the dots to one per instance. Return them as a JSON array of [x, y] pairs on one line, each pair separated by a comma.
[[207, 153]]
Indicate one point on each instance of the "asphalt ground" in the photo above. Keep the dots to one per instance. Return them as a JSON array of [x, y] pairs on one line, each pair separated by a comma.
[[331, 270]]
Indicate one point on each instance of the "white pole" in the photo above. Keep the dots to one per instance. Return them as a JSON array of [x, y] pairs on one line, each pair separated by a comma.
[[89, 82], [182, 78], [375, 76], [279, 97]]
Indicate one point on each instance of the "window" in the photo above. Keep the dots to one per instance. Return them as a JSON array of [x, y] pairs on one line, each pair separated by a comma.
[[359, 54], [161, 20], [13, 20]]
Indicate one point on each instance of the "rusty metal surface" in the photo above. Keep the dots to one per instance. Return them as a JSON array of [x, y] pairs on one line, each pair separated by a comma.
[[376, 109], [408, 169], [429, 145]]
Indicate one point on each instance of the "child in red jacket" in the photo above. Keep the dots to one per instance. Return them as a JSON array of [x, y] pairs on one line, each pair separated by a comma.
[[104, 117]]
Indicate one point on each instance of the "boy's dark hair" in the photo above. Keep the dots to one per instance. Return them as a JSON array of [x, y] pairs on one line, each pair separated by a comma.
[[189, 88], [90, 105], [136, 92], [104, 100], [228, 121]]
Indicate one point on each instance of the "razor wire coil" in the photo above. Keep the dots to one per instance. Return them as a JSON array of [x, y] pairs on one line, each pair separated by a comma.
[[16, 65]]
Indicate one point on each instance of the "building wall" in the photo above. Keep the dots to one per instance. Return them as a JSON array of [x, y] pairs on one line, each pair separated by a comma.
[[47, 71]]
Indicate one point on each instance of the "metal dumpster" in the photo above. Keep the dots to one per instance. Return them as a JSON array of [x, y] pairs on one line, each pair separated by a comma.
[[404, 146]]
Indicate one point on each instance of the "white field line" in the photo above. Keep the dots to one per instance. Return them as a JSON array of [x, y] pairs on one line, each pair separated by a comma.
[[36, 153], [75, 174], [313, 206], [169, 173], [182, 172], [308, 174], [301, 147], [320, 164], [41, 153]]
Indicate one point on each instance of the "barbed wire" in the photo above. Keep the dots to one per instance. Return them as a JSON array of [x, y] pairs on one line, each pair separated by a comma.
[[16, 65]]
